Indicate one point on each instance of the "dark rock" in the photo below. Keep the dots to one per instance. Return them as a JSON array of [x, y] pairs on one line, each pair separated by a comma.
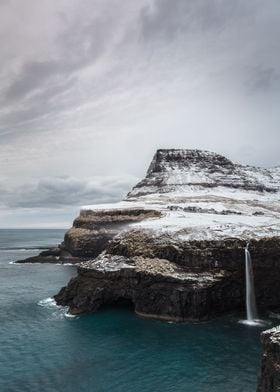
[[90, 234], [51, 252], [92, 230], [189, 282], [40, 259], [56, 255], [269, 377], [216, 169]]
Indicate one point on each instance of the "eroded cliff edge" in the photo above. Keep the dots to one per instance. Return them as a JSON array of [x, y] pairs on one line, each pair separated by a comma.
[[190, 281], [269, 378], [174, 248]]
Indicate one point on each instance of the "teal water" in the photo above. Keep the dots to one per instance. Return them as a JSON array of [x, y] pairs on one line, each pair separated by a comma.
[[112, 350]]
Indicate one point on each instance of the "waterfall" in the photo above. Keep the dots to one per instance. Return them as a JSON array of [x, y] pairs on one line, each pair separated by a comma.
[[251, 308]]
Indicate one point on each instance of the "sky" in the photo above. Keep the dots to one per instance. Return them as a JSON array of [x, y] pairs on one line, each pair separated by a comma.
[[90, 89]]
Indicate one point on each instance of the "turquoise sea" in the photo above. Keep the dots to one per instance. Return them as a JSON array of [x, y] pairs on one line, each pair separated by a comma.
[[113, 350]]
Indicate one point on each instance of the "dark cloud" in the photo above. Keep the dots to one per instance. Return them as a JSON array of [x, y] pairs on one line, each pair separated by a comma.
[[80, 43], [83, 41], [32, 76], [168, 18], [34, 92], [262, 80], [59, 192], [41, 104]]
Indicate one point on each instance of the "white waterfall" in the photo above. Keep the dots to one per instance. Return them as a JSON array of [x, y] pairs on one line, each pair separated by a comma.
[[251, 308]]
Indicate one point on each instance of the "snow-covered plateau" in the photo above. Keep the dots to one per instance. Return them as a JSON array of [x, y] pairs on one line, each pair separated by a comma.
[[202, 195]]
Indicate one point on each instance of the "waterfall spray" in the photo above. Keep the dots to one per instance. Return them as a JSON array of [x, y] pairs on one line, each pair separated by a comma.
[[251, 308]]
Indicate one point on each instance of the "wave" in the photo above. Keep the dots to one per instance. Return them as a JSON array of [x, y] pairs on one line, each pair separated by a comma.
[[26, 248], [48, 303], [69, 315], [60, 311], [50, 263]]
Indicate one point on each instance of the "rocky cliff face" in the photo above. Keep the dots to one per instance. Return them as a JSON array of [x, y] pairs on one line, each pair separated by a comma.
[[174, 248], [171, 170], [91, 232], [269, 378], [191, 282]]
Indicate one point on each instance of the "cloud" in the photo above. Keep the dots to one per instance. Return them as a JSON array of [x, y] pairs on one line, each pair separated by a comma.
[[262, 80], [59, 192], [32, 75], [168, 19], [90, 90], [36, 85]]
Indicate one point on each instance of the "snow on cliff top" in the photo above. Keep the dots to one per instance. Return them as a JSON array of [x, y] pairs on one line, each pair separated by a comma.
[[204, 195], [171, 170]]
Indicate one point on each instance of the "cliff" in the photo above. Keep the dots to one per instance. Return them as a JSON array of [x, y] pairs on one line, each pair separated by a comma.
[[174, 248], [269, 379]]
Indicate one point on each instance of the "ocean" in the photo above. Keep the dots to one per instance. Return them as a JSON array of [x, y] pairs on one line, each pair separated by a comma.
[[41, 349]]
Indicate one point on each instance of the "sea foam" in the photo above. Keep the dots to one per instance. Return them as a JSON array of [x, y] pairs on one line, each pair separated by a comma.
[[255, 323], [48, 303], [60, 311]]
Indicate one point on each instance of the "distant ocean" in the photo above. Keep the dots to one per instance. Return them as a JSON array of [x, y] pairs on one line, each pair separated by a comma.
[[42, 350]]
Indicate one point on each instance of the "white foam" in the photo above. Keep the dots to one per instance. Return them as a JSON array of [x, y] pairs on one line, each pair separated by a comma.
[[61, 311], [9, 250], [69, 315], [255, 323], [48, 303]]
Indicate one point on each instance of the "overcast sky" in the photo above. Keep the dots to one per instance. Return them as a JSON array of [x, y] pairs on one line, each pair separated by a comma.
[[90, 89]]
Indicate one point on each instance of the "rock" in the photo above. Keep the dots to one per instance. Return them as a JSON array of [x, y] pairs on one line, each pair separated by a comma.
[[189, 282], [155, 287], [93, 229], [40, 259], [203, 168], [56, 255], [51, 252], [269, 377], [51, 255], [90, 233]]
